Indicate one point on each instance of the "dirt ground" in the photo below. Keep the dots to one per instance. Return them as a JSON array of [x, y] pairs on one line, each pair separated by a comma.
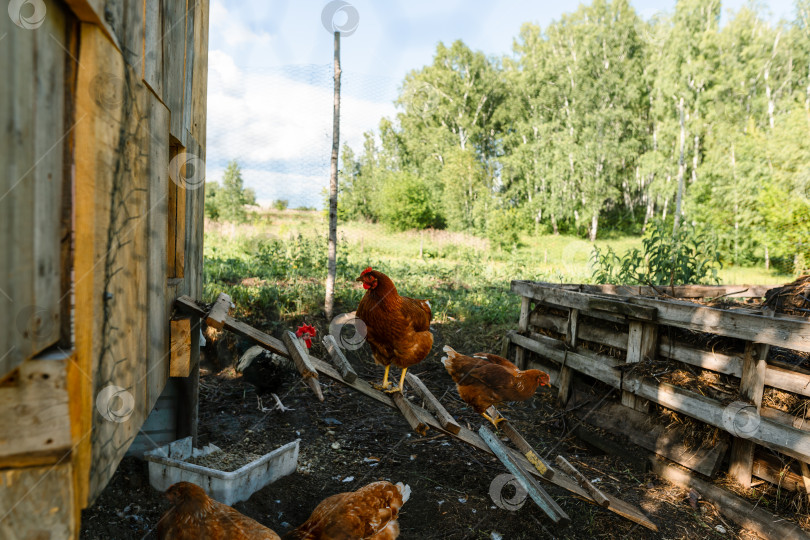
[[350, 440]]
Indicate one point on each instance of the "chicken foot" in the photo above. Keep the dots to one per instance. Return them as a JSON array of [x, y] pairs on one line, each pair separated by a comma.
[[279, 405], [385, 384]]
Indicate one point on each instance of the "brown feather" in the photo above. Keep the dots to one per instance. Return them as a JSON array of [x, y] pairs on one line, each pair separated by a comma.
[[195, 515]]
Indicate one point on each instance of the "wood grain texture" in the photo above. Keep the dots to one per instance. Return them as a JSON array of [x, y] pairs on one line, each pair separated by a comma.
[[37, 503], [34, 414], [36, 126], [752, 387], [736, 508], [782, 331], [116, 143], [771, 433], [535, 491], [639, 429], [180, 365], [339, 359], [432, 403]]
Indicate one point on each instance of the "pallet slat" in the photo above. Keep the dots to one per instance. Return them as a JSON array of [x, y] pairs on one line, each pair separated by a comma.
[[769, 433], [537, 493]]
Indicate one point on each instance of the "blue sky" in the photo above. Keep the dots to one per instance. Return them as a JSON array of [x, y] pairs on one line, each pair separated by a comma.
[[269, 97]]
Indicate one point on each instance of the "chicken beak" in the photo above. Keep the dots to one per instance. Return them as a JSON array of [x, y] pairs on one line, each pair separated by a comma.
[[359, 279]]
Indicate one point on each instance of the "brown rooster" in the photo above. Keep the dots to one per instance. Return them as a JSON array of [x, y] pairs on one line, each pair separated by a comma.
[[195, 515], [368, 513], [486, 379], [397, 327]]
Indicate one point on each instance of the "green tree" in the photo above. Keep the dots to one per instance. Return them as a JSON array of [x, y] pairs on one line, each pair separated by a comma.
[[232, 197], [406, 203]]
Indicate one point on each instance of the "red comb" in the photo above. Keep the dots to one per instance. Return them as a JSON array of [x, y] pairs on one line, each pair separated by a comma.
[[366, 271], [306, 331]]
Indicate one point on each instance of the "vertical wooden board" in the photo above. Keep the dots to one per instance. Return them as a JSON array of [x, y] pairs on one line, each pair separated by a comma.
[[174, 44], [152, 72], [633, 357], [200, 72], [188, 65], [195, 202], [171, 224], [523, 325], [37, 503], [50, 133], [752, 386], [32, 116], [112, 216], [180, 347], [17, 192], [158, 313]]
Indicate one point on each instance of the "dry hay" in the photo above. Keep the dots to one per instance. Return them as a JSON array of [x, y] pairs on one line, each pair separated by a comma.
[[791, 299]]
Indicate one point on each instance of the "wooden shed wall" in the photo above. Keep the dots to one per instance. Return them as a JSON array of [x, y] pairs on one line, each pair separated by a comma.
[[95, 104]]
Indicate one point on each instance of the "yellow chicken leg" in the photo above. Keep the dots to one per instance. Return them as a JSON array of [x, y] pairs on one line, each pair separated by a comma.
[[495, 421], [399, 388], [385, 383]]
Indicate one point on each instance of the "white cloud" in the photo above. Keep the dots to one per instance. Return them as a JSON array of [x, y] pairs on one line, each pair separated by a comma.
[[278, 123]]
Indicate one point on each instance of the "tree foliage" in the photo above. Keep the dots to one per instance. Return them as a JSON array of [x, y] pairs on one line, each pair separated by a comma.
[[227, 202], [604, 121]]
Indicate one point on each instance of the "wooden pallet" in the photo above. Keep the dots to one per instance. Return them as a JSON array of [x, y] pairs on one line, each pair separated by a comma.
[[421, 419]]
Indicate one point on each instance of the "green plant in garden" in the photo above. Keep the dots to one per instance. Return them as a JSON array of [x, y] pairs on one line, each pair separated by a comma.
[[684, 258]]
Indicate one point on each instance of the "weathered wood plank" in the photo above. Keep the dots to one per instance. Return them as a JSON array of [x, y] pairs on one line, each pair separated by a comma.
[[570, 470], [301, 358], [523, 325], [407, 409], [173, 41], [34, 414], [187, 305], [783, 331], [776, 376], [639, 429], [38, 502], [112, 199], [523, 445], [771, 469], [769, 433], [219, 311], [180, 365], [537, 493], [152, 71], [566, 373], [433, 404], [582, 301], [633, 357], [35, 127], [752, 386], [339, 359], [736, 508], [200, 72], [677, 291]]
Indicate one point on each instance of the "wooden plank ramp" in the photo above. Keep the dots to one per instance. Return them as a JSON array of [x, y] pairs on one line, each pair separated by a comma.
[[618, 506], [537, 493], [433, 404], [522, 444]]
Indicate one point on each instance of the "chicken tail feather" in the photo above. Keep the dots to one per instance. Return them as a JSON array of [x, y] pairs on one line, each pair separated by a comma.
[[405, 490]]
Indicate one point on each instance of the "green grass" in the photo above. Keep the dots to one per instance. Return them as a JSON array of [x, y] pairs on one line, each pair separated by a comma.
[[275, 267]]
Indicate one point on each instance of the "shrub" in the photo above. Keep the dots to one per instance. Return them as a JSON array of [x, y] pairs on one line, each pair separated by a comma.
[[503, 228], [281, 204], [684, 258], [406, 203]]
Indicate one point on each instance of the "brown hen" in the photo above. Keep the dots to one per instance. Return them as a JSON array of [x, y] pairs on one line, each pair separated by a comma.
[[397, 327], [486, 379], [195, 515], [369, 513]]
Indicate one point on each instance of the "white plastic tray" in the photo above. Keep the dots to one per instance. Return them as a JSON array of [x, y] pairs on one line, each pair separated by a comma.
[[167, 466]]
